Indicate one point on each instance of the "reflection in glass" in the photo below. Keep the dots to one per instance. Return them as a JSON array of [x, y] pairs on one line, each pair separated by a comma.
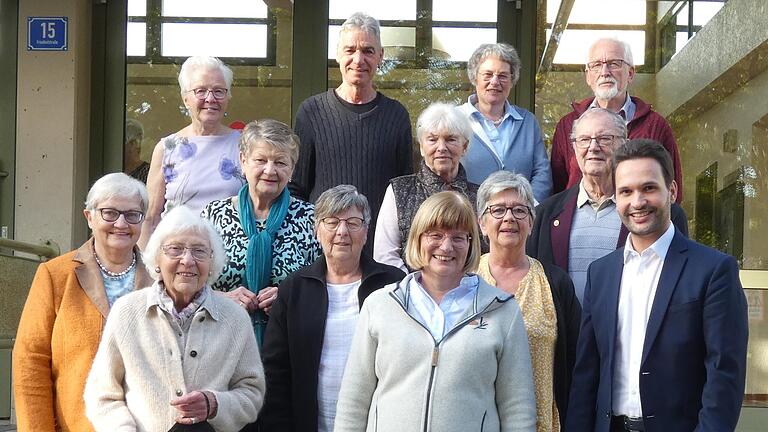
[[757, 351], [460, 43], [463, 10], [221, 40], [215, 9], [381, 10]]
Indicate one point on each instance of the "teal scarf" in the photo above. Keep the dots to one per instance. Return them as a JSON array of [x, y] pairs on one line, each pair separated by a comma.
[[258, 258]]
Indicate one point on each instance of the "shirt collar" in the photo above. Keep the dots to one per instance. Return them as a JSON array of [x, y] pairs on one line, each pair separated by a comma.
[[627, 110], [157, 297], [584, 198], [509, 109], [659, 248]]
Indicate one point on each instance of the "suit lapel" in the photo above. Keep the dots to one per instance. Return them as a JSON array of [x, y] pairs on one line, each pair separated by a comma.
[[89, 277], [670, 274], [560, 228], [610, 309]]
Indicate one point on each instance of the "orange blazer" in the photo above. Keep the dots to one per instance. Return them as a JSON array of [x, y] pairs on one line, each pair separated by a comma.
[[58, 336]]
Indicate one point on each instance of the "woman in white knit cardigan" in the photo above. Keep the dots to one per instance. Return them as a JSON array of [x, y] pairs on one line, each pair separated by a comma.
[[176, 354]]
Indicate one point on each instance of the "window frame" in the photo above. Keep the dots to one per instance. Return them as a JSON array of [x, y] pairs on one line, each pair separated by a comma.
[[154, 21]]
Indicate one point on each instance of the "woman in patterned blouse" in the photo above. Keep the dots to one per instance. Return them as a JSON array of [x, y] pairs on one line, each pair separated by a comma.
[[267, 233], [545, 293]]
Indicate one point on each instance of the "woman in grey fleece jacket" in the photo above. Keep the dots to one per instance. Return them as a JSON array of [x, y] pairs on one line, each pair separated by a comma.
[[441, 350]]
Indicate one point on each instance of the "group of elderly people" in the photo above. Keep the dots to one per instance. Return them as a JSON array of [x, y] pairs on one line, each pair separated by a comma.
[[220, 294]]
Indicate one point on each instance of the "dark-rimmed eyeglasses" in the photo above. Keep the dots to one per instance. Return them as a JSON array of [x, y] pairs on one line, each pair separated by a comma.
[[111, 215], [333, 223], [176, 251], [202, 93], [498, 211], [613, 64], [458, 240], [601, 140]]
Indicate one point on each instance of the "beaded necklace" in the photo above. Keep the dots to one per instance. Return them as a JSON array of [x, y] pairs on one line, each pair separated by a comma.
[[115, 275]]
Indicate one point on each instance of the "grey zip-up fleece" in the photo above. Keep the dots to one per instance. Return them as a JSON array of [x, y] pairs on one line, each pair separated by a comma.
[[400, 379]]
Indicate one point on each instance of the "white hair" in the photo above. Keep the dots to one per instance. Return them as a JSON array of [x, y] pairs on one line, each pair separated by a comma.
[[504, 52], [501, 181], [439, 117], [624, 46], [206, 63], [182, 220], [362, 22], [116, 185]]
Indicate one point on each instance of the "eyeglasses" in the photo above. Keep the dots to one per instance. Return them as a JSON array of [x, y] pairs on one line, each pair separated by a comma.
[[487, 76], [354, 224], [601, 140], [202, 93], [613, 64], [111, 215], [436, 238], [498, 211], [176, 251]]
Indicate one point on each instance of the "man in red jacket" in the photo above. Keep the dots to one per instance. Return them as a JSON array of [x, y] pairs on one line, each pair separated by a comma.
[[609, 70]]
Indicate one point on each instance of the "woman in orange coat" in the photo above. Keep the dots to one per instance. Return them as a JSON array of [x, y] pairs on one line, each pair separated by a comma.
[[67, 306]]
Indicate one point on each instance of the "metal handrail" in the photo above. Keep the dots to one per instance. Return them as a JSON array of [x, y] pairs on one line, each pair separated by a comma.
[[47, 250]]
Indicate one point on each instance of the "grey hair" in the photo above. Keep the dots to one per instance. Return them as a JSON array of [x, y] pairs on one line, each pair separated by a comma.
[[275, 133], [363, 22], [134, 131], [502, 51], [625, 46], [338, 199], [206, 63], [618, 122], [116, 185], [501, 181], [439, 117], [180, 220]]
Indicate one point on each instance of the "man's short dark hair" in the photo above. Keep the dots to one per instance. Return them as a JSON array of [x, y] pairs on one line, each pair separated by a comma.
[[645, 148]]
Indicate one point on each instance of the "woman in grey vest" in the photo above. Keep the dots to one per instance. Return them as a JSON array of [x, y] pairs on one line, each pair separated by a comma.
[[443, 135]]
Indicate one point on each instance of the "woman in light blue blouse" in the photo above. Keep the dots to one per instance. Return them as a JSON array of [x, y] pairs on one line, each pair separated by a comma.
[[267, 233], [506, 137]]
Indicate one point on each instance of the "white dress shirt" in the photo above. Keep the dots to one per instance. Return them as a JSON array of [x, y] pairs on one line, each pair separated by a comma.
[[441, 318], [639, 281]]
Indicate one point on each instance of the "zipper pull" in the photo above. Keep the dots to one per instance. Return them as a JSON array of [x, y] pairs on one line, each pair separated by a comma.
[[435, 354]]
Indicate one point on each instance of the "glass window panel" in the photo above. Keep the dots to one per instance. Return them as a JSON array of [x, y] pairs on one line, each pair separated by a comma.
[[231, 40], [137, 7], [381, 10], [575, 43], [398, 42], [136, 39], [704, 11], [756, 390], [681, 39], [596, 12], [459, 43], [215, 9], [463, 10]]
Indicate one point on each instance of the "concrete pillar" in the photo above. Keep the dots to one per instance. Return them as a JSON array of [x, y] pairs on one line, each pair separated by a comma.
[[53, 128]]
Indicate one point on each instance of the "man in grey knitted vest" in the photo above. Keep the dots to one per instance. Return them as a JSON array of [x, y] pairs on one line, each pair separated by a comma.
[[353, 134]]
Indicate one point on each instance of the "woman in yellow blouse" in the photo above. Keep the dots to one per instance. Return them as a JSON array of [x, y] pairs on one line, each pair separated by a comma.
[[545, 293]]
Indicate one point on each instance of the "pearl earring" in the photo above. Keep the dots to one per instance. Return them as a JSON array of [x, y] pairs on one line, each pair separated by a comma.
[[157, 269]]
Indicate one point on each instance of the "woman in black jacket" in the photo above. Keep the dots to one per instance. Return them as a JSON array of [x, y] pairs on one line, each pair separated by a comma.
[[313, 319]]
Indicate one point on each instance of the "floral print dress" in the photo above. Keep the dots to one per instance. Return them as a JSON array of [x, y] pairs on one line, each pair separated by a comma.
[[200, 169]]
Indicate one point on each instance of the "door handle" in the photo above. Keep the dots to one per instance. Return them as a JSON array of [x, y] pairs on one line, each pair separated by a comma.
[[3, 174]]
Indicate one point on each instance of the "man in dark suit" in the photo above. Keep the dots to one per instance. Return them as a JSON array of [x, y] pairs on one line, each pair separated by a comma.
[[663, 342], [580, 224]]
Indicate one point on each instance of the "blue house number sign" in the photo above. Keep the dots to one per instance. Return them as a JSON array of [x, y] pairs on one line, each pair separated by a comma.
[[47, 33]]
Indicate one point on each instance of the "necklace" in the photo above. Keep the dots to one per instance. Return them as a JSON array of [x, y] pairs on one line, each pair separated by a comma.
[[115, 275]]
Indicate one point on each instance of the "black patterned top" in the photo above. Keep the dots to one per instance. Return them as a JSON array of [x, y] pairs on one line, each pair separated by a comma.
[[295, 245]]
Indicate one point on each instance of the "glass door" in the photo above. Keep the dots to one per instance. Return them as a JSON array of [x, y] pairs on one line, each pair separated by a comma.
[[8, 46]]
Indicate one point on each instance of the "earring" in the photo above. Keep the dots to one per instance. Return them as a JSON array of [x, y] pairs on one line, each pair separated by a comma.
[[226, 114], [157, 269]]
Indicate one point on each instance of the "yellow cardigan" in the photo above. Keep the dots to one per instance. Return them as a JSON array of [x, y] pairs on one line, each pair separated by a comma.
[[58, 336]]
